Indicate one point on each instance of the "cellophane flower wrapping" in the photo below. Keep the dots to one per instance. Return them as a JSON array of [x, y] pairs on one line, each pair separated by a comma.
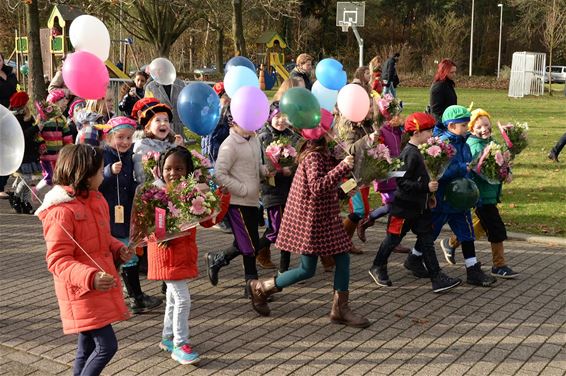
[[515, 136], [377, 164], [202, 167], [389, 107], [494, 164], [281, 153], [437, 154]]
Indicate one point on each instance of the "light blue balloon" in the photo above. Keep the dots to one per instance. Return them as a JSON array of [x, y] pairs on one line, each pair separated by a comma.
[[198, 106], [238, 77], [238, 61], [326, 97], [331, 74]]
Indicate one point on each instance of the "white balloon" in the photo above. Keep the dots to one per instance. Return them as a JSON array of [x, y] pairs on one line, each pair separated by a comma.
[[326, 97], [12, 142], [88, 33], [162, 71]]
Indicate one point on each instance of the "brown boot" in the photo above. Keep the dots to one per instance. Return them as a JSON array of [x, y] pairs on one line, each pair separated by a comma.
[[263, 259], [350, 228], [364, 224], [260, 291], [328, 263], [401, 249], [342, 314]]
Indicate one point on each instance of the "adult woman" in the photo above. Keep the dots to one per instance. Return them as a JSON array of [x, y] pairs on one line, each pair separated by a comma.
[[303, 69], [442, 93], [8, 83]]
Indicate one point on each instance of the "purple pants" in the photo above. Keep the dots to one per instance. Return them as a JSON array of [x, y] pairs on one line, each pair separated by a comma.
[[275, 214], [48, 167], [244, 223]]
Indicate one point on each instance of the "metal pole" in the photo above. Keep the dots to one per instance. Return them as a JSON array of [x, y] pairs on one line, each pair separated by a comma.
[[471, 40], [500, 31], [360, 44]]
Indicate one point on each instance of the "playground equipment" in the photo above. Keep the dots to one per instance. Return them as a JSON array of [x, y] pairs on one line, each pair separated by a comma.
[[273, 58], [527, 74]]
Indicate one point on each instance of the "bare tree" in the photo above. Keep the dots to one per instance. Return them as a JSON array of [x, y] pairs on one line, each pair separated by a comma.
[[554, 33]]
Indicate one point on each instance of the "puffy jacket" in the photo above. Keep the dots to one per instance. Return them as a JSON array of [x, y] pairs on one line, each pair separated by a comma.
[[128, 101], [489, 193], [86, 219], [141, 148], [458, 168], [211, 144]]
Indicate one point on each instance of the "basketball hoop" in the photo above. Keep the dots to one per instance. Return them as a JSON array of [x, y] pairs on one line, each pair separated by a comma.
[[345, 27]]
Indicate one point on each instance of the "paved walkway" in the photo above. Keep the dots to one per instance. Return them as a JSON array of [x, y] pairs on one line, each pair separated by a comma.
[[517, 327]]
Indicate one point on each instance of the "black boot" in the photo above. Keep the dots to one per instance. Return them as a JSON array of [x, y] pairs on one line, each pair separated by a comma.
[[215, 261], [15, 202], [415, 265], [380, 276], [137, 301], [475, 276], [26, 207]]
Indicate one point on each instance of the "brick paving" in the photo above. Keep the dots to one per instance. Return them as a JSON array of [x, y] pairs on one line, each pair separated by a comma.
[[517, 327]]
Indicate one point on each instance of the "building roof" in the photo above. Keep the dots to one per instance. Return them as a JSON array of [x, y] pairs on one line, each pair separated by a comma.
[[64, 13], [269, 37]]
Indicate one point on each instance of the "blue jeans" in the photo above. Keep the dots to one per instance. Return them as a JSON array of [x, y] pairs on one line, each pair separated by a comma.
[[94, 351], [390, 89], [177, 310]]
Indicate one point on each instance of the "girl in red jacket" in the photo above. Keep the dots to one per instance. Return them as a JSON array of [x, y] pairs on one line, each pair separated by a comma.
[[82, 255], [175, 262]]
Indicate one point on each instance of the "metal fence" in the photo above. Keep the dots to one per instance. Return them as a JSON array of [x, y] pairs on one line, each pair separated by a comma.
[[527, 74]]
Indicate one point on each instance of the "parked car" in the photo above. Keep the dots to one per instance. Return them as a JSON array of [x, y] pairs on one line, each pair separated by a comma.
[[557, 73]]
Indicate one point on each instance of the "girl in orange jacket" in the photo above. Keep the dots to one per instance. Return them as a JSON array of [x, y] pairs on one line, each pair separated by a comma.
[[175, 262], [82, 254]]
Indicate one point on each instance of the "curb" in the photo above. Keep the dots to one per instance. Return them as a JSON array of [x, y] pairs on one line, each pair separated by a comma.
[[530, 238]]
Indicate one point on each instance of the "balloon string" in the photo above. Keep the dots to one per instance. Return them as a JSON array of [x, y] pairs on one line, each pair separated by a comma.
[[65, 230]]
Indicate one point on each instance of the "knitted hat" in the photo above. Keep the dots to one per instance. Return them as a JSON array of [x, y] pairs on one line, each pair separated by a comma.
[[120, 122], [419, 121], [273, 110], [456, 114], [75, 106], [55, 95], [475, 115], [19, 99], [219, 88], [140, 104], [149, 110], [326, 120]]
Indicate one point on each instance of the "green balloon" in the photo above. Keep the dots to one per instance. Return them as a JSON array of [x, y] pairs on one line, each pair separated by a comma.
[[462, 194], [301, 107], [24, 69]]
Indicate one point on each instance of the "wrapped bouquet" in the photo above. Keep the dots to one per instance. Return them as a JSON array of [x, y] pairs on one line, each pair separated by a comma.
[[437, 155], [389, 107], [515, 137], [494, 164], [377, 164], [202, 167], [281, 153], [150, 161]]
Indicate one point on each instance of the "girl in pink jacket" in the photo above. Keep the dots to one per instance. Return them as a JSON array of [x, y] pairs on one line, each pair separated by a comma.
[[82, 254]]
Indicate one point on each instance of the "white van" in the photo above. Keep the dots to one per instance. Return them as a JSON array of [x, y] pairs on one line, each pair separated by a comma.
[[557, 72]]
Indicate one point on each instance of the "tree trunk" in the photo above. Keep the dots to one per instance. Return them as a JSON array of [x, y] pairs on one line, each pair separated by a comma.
[[37, 87], [163, 49], [220, 50], [238, 29]]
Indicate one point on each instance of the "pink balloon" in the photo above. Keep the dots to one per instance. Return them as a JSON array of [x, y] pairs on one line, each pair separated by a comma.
[[250, 108], [353, 102], [326, 120], [85, 75]]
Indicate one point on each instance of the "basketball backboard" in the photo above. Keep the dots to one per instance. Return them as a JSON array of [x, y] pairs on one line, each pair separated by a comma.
[[350, 13]]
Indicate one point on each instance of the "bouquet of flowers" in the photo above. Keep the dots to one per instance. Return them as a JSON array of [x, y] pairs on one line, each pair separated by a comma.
[[150, 161], [202, 167], [47, 110], [377, 164], [437, 155], [515, 137], [389, 107], [494, 164], [281, 153]]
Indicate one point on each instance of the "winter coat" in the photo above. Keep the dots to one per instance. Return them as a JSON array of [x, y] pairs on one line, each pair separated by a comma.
[[153, 89], [311, 223], [56, 134], [7, 86], [82, 307], [275, 196], [239, 168], [178, 258], [128, 101], [296, 73], [123, 182], [411, 196], [211, 144], [489, 193], [458, 168], [31, 132], [354, 138], [442, 95], [392, 139], [390, 72], [141, 148]]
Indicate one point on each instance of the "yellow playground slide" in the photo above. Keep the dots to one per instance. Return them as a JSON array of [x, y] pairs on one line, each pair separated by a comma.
[[276, 64]]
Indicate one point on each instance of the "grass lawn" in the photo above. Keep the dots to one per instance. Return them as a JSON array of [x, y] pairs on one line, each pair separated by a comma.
[[535, 202]]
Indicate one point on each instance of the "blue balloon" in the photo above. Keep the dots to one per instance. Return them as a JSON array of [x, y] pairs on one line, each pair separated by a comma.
[[331, 74], [239, 61], [199, 108], [238, 77]]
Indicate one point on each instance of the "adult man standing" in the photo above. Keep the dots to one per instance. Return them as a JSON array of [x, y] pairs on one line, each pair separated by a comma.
[[390, 78], [303, 69]]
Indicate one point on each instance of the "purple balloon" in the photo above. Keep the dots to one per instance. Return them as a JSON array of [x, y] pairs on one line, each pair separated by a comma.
[[85, 75], [250, 108]]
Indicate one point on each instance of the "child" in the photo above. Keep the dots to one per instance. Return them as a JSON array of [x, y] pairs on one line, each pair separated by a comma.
[[175, 263], [118, 188], [410, 210], [239, 170], [489, 218], [312, 227], [456, 119], [81, 254], [134, 94], [20, 200], [275, 196], [53, 129], [155, 119], [94, 114]]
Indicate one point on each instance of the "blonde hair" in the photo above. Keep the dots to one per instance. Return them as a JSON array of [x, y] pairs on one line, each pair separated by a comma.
[[286, 85], [375, 64], [303, 58]]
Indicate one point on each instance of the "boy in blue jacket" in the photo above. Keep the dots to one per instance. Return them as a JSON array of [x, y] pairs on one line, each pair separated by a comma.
[[456, 119]]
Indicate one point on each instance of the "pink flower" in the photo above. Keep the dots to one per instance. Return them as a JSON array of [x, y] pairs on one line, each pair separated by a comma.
[[434, 151], [499, 158], [173, 210], [507, 155], [197, 206], [292, 151], [197, 174], [273, 151]]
